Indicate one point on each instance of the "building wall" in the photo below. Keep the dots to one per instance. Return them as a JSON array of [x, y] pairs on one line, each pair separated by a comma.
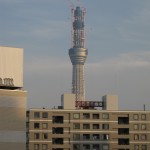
[[110, 102], [12, 120], [68, 101], [88, 129], [11, 65]]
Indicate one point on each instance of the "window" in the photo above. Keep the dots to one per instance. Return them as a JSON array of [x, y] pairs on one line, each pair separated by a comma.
[[143, 126], [1, 81], [144, 147], [58, 148], [86, 146], [76, 126], [44, 115], [105, 126], [136, 147], [136, 127], [36, 125], [105, 116], [45, 136], [86, 126], [96, 137], [96, 147], [86, 136], [143, 137], [44, 146], [86, 116], [135, 116], [96, 126], [36, 136], [36, 147], [58, 141], [76, 116], [123, 141], [105, 137], [36, 115], [76, 136], [95, 116], [136, 137], [105, 147], [143, 116], [44, 125], [76, 147]]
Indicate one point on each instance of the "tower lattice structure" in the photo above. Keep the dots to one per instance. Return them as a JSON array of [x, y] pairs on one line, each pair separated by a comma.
[[78, 53]]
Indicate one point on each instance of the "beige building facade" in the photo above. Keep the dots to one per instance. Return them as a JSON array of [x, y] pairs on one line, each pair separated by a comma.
[[12, 120], [60, 129], [12, 100], [11, 66]]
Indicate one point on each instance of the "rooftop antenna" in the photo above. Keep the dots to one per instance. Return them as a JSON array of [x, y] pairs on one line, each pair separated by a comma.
[[144, 107]]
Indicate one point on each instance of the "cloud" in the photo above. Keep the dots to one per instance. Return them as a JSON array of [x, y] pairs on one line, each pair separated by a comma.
[[124, 61]]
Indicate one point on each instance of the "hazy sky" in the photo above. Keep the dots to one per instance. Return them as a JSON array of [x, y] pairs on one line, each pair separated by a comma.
[[118, 41]]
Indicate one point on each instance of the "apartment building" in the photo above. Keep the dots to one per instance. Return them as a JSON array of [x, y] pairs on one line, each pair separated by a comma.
[[60, 129]]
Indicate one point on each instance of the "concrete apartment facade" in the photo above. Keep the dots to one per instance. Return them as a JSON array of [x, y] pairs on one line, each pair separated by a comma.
[[60, 129], [88, 128], [12, 100]]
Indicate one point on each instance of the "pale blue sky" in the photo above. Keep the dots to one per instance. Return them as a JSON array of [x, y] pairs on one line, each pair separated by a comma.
[[118, 40]]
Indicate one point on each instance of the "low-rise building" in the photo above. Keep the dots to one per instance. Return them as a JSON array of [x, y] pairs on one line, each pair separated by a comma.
[[87, 129]]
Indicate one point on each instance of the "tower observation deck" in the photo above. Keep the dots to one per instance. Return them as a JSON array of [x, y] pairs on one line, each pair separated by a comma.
[[78, 53]]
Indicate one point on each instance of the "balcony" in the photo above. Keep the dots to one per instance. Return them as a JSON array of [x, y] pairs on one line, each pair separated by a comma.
[[58, 131], [59, 141], [123, 131], [58, 119], [123, 120], [123, 141]]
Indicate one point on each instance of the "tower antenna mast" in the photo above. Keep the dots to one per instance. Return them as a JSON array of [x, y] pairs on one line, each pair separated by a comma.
[[79, 3], [72, 18]]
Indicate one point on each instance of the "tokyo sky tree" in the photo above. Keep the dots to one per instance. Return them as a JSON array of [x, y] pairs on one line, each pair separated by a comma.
[[78, 53]]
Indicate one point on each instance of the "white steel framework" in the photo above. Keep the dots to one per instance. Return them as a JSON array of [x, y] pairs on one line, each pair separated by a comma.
[[78, 53]]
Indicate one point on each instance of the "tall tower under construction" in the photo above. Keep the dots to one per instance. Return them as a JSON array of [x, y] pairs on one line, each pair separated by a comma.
[[78, 53]]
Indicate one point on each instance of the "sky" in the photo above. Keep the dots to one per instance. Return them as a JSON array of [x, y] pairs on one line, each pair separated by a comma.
[[117, 39]]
